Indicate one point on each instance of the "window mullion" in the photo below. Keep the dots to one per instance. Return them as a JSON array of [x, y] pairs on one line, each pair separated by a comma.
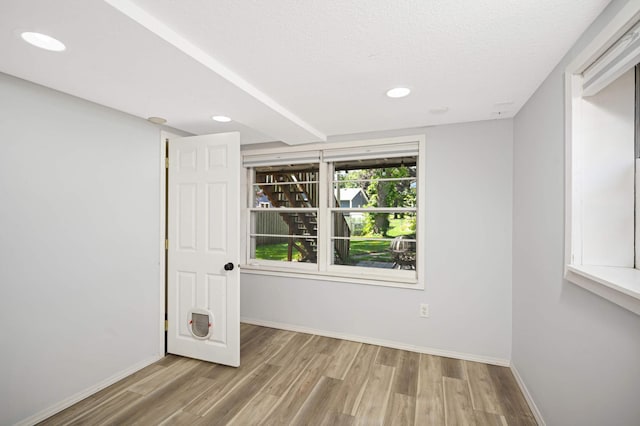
[[324, 228], [251, 227]]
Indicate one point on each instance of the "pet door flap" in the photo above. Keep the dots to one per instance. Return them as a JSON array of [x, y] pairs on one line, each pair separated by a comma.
[[200, 323]]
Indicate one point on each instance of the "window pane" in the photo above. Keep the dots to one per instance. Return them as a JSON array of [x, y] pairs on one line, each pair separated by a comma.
[[375, 183], [284, 223], [374, 224], [398, 253], [286, 186], [378, 240], [286, 249], [387, 193], [284, 235]]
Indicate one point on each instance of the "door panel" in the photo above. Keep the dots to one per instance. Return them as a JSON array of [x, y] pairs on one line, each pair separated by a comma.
[[217, 289], [204, 235], [216, 218], [186, 216]]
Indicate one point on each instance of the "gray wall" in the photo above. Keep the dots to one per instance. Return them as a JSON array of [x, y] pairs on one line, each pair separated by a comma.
[[79, 271], [468, 260], [578, 354]]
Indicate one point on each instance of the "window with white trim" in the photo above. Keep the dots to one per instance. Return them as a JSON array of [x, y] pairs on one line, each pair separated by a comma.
[[340, 211], [601, 218]]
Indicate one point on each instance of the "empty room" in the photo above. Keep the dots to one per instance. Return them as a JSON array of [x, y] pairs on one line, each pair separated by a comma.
[[320, 212]]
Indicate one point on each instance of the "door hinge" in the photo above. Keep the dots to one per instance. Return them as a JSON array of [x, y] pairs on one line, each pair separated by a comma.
[[166, 162], [166, 244], [166, 325]]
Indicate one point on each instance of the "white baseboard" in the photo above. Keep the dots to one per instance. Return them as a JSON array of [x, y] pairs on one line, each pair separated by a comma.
[[379, 342], [528, 397], [68, 402]]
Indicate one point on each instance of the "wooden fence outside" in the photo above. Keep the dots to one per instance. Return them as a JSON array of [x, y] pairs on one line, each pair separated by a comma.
[[273, 224]]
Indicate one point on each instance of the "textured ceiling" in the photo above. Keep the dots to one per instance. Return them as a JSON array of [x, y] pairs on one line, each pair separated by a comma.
[[293, 70]]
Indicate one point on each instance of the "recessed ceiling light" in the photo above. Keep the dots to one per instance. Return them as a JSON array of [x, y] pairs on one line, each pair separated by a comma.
[[398, 92], [221, 118], [157, 120], [43, 41]]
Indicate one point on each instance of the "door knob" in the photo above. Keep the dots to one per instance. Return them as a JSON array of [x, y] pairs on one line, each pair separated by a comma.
[[228, 267]]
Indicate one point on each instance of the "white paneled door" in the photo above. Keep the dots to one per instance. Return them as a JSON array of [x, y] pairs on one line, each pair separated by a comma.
[[203, 281]]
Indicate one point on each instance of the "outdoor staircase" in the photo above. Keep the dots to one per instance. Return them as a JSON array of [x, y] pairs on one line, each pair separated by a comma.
[[296, 189]]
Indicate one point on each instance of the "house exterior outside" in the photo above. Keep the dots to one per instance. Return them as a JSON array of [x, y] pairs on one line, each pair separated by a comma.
[[352, 197]]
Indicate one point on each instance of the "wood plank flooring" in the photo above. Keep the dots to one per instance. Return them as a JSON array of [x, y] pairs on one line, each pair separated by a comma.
[[289, 378]]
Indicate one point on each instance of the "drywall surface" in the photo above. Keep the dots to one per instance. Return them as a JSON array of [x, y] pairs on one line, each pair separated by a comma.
[[468, 260], [79, 271], [576, 352]]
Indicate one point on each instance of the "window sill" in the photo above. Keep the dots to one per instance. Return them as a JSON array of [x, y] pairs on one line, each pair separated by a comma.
[[309, 275], [618, 285]]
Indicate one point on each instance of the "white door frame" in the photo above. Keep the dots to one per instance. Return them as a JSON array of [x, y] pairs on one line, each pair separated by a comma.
[[164, 135]]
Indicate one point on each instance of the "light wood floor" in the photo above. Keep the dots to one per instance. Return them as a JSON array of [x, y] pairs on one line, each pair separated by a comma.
[[294, 378]]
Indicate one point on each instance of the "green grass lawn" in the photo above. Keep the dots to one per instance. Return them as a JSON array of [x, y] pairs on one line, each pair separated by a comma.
[[275, 252], [399, 227], [369, 250], [359, 251]]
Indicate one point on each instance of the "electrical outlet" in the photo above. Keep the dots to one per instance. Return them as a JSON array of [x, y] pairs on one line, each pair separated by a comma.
[[424, 310]]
